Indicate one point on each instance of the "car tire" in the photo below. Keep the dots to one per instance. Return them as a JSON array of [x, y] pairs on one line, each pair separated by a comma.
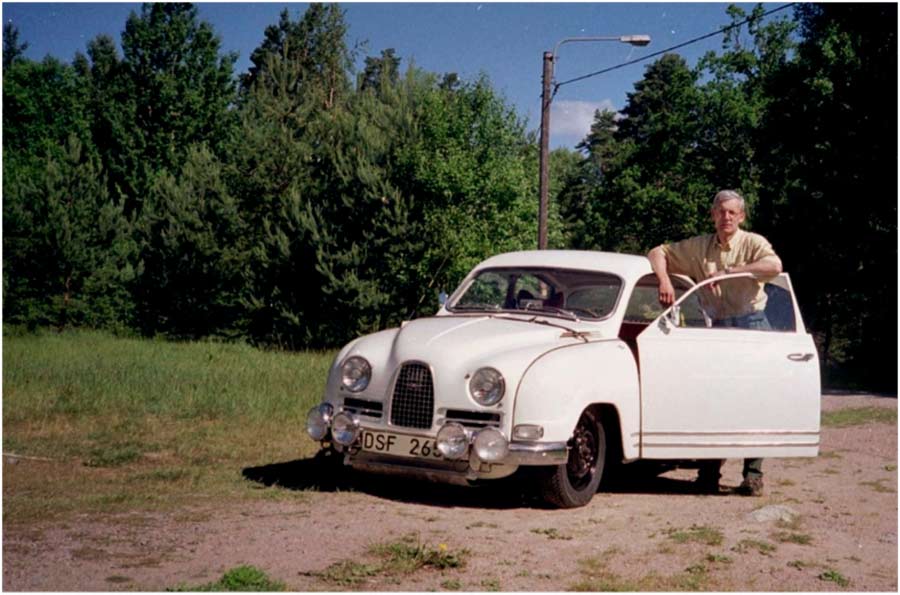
[[575, 483]]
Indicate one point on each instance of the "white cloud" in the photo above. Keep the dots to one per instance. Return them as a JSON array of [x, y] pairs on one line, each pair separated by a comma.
[[574, 118]]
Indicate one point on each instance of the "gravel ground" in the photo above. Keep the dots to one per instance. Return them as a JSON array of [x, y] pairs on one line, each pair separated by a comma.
[[824, 524]]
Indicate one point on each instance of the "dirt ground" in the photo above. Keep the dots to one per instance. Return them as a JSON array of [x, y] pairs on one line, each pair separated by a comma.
[[837, 532]]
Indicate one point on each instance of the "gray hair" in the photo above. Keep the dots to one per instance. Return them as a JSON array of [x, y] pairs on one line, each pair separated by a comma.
[[724, 195]]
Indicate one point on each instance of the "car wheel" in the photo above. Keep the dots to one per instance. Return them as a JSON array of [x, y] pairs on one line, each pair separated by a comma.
[[575, 483]]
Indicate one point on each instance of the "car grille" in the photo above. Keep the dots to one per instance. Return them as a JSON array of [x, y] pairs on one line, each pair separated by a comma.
[[473, 419], [413, 404], [363, 407]]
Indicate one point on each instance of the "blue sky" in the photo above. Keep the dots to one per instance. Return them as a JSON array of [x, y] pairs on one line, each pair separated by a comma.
[[505, 41]]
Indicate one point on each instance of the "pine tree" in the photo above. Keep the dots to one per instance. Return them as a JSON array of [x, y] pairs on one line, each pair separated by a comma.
[[12, 49]]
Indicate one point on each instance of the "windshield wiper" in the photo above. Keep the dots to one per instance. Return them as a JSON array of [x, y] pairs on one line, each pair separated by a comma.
[[491, 307], [555, 310]]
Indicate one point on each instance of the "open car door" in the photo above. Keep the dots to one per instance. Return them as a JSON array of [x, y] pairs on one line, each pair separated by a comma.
[[709, 392]]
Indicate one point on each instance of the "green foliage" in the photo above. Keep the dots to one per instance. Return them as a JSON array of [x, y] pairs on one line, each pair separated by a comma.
[[181, 85], [12, 49], [242, 578], [793, 114], [834, 576], [193, 250], [842, 418], [410, 554], [70, 256], [307, 203], [81, 374], [696, 533]]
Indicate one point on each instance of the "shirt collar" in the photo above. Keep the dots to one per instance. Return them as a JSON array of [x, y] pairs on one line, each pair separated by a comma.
[[730, 244]]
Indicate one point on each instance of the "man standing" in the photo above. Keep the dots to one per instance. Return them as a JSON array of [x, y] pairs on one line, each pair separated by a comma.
[[742, 302]]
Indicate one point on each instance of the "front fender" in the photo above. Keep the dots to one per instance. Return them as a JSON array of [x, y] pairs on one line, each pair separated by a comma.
[[561, 383]]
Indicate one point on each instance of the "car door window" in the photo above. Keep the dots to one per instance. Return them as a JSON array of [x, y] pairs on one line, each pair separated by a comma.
[[709, 304], [644, 306]]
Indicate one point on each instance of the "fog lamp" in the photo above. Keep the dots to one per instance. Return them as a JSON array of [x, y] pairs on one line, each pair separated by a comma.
[[344, 429], [528, 432], [453, 441], [318, 420], [491, 445]]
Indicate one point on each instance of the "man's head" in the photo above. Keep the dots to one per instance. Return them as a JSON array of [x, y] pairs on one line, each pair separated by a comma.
[[728, 213]]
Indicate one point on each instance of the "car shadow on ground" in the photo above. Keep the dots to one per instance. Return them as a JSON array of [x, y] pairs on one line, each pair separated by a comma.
[[324, 473]]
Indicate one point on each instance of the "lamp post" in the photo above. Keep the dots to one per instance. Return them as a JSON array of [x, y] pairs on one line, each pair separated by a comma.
[[546, 99]]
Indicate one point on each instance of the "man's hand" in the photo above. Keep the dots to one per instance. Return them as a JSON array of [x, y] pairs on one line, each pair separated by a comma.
[[657, 258], [666, 292]]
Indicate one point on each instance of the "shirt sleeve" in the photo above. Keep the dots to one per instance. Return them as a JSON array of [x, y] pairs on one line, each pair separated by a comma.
[[679, 256], [760, 247]]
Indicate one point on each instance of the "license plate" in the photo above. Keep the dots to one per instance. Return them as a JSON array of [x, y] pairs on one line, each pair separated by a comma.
[[400, 445]]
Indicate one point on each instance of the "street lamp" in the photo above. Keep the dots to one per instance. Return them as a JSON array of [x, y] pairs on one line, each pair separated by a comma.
[[546, 99]]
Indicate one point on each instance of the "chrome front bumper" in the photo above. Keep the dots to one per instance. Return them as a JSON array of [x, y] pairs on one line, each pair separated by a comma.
[[462, 471]]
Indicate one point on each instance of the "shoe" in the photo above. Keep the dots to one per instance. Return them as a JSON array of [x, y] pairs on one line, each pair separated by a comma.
[[751, 486]]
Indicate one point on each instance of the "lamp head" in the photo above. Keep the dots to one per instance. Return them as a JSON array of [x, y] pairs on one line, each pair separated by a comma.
[[638, 40]]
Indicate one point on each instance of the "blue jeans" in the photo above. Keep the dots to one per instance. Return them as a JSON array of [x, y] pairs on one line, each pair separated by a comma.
[[755, 321]]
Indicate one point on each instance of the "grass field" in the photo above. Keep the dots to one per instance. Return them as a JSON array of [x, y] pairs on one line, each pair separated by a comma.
[[107, 423]]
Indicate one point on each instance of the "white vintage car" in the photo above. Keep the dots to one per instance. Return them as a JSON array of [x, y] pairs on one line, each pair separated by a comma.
[[564, 362]]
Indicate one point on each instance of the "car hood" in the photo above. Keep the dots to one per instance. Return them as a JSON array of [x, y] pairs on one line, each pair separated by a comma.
[[477, 339]]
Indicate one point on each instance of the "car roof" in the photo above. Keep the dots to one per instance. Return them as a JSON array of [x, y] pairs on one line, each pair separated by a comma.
[[629, 266]]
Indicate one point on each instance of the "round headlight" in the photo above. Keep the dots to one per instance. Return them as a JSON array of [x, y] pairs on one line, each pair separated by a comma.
[[355, 374], [318, 419], [487, 386], [453, 441], [491, 445], [344, 429]]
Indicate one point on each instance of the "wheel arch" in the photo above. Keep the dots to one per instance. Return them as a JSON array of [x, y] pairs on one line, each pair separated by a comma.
[[560, 385]]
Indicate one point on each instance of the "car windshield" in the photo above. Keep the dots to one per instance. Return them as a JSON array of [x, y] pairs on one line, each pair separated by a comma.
[[563, 293]]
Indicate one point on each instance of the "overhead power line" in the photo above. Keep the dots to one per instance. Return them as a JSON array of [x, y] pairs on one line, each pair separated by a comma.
[[669, 49]]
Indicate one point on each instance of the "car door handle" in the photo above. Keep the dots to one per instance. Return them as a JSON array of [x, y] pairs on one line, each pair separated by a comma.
[[800, 357]]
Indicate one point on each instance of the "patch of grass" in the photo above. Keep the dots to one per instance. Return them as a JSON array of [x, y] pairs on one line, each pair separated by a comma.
[[452, 584], [242, 578], [113, 456], [830, 454], [693, 578], [552, 533], [834, 576], [890, 467], [789, 537], [156, 424], [794, 524], [397, 558], [348, 573], [763, 547], [482, 525], [878, 486], [491, 585], [857, 416], [596, 577], [696, 534], [409, 554], [718, 559], [801, 564], [786, 483]]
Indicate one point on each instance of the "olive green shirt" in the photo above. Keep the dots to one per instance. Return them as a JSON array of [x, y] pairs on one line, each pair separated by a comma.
[[738, 296]]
